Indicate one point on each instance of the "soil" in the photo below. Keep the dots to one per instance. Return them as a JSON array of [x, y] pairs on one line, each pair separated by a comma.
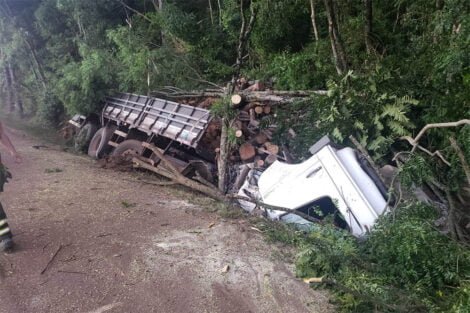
[[96, 240]]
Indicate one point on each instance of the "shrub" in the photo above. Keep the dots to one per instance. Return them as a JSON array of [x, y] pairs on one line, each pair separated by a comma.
[[405, 265]]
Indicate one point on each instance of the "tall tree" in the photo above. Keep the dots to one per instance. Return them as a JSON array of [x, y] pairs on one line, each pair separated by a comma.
[[337, 46], [368, 25], [314, 19]]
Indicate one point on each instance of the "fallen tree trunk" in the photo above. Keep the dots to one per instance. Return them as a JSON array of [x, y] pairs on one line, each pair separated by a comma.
[[173, 174], [180, 179], [244, 96]]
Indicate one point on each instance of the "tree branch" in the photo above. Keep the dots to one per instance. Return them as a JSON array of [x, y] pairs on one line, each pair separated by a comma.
[[135, 11], [414, 142]]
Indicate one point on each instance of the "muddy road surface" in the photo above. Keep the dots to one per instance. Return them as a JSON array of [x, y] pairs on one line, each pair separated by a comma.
[[94, 240]]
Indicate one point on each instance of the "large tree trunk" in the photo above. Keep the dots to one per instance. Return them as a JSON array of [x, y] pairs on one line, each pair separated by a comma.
[[337, 47], [368, 25], [313, 18]]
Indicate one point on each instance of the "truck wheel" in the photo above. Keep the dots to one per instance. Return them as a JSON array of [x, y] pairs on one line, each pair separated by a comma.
[[128, 148], [84, 136], [99, 144]]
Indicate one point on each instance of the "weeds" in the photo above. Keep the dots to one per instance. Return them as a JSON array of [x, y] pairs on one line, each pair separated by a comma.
[[53, 170]]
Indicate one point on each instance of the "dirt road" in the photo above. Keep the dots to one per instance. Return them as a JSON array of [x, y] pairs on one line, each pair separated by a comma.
[[123, 246]]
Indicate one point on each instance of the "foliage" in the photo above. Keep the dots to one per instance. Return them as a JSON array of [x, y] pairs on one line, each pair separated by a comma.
[[221, 108], [299, 71], [326, 251], [404, 265], [51, 111], [83, 84], [356, 106]]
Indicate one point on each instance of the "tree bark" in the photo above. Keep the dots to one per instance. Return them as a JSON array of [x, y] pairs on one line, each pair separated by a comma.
[[158, 4], [368, 25], [17, 102], [313, 18], [460, 154], [211, 13], [36, 61], [219, 5], [9, 90], [245, 31], [337, 47], [223, 156]]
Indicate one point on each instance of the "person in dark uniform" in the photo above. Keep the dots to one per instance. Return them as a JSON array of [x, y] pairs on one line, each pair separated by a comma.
[[6, 242]]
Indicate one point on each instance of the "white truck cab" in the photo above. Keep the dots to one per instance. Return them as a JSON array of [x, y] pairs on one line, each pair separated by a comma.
[[331, 181]]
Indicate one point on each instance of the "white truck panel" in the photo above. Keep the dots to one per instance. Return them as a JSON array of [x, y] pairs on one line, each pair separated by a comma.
[[328, 173]]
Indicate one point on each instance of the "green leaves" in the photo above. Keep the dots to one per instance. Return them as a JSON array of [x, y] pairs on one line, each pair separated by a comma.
[[83, 84], [376, 118], [405, 265]]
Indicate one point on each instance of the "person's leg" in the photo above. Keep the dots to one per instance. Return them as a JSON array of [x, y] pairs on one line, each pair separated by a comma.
[[5, 232]]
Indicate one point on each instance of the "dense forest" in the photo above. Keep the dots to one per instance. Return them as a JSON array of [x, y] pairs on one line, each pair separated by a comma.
[[388, 69]]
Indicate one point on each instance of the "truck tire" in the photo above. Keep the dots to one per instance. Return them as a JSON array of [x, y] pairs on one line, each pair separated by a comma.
[[128, 148], [99, 143], [83, 137]]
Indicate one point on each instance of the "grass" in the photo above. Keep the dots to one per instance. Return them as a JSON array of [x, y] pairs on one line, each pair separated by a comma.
[[125, 204]]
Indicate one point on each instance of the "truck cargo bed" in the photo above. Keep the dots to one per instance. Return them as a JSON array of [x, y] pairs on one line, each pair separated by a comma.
[[182, 123]]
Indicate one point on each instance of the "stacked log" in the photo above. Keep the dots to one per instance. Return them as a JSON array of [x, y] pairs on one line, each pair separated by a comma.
[[253, 131], [252, 128]]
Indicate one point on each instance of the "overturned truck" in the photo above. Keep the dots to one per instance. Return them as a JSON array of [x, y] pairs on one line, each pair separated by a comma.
[[335, 181], [129, 124]]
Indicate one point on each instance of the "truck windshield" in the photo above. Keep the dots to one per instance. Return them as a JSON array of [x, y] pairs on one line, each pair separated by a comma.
[[325, 209]]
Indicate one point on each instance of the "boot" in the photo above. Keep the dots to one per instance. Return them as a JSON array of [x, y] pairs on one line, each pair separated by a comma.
[[6, 245]]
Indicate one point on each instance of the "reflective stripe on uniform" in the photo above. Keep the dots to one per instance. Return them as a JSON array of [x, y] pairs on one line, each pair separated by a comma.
[[3, 222], [4, 231]]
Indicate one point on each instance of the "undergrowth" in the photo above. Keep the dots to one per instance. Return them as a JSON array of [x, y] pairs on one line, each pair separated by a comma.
[[404, 265]]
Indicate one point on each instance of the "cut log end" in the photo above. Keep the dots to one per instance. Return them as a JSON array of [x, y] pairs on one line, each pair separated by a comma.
[[261, 138], [237, 101], [259, 110], [273, 149], [259, 163], [247, 152]]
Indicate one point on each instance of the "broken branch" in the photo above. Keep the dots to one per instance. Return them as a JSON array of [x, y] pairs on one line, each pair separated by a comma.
[[274, 207], [436, 153], [51, 259]]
